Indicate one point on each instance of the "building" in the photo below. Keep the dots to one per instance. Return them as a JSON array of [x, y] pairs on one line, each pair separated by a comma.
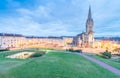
[[106, 44], [86, 39], [11, 40], [16, 41]]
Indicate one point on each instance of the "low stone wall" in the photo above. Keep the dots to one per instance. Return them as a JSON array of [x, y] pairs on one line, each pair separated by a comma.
[[22, 55]]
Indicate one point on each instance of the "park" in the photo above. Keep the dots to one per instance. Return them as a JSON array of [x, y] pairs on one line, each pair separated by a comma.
[[52, 64]]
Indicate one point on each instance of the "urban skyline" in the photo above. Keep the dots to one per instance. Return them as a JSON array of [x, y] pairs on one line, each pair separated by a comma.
[[58, 18]]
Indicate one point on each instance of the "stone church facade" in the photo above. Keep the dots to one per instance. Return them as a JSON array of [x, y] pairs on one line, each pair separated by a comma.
[[86, 39]]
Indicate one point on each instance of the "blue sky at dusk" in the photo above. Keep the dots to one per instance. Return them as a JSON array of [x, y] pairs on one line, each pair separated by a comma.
[[59, 17]]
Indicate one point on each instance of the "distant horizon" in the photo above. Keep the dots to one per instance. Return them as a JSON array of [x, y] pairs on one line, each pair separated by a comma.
[[59, 17], [53, 35]]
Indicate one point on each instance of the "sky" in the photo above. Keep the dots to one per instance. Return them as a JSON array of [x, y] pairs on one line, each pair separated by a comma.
[[59, 17]]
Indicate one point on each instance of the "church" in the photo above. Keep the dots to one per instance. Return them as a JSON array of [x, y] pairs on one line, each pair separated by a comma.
[[86, 39]]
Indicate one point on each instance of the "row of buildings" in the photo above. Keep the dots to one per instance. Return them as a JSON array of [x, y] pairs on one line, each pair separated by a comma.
[[16, 41]]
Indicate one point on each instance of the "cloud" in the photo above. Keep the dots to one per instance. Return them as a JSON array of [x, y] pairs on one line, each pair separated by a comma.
[[40, 11], [27, 25], [60, 17]]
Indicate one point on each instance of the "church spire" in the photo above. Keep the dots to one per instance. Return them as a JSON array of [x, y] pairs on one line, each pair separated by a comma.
[[89, 23], [89, 14]]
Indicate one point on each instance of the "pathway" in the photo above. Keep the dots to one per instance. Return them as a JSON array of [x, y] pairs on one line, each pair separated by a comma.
[[104, 65]]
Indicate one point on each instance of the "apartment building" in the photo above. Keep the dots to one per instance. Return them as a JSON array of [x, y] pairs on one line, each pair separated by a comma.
[[11, 40], [16, 41]]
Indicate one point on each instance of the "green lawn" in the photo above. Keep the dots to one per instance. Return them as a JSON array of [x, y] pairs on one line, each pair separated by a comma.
[[53, 65], [111, 62]]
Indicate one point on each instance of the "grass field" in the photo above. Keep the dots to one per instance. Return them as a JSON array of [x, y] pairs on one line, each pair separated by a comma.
[[112, 62], [52, 65]]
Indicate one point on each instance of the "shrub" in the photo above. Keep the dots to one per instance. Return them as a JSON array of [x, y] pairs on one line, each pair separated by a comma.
[[106, 55], [71, 50], [37, 54], [4, 50], [78, 51]]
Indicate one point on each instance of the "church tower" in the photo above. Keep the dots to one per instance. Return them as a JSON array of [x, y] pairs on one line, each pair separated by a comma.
[[89, 29]]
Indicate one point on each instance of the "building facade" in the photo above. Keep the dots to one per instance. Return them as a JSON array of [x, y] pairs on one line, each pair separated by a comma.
[[86, 39], [11, 40], [16, 41]]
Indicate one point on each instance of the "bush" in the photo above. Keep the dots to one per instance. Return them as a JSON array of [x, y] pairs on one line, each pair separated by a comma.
[[71, 50], [37, 54], [4, 50], [78, 51], [107, 55]]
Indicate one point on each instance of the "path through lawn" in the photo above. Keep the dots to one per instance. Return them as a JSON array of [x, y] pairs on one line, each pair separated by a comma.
[[104, 65]]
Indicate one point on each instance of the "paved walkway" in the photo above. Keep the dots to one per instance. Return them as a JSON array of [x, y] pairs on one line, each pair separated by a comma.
[[104, 65]]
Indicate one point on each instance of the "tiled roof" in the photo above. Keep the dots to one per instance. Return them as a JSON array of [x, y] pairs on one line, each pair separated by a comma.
[[7, 34]]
